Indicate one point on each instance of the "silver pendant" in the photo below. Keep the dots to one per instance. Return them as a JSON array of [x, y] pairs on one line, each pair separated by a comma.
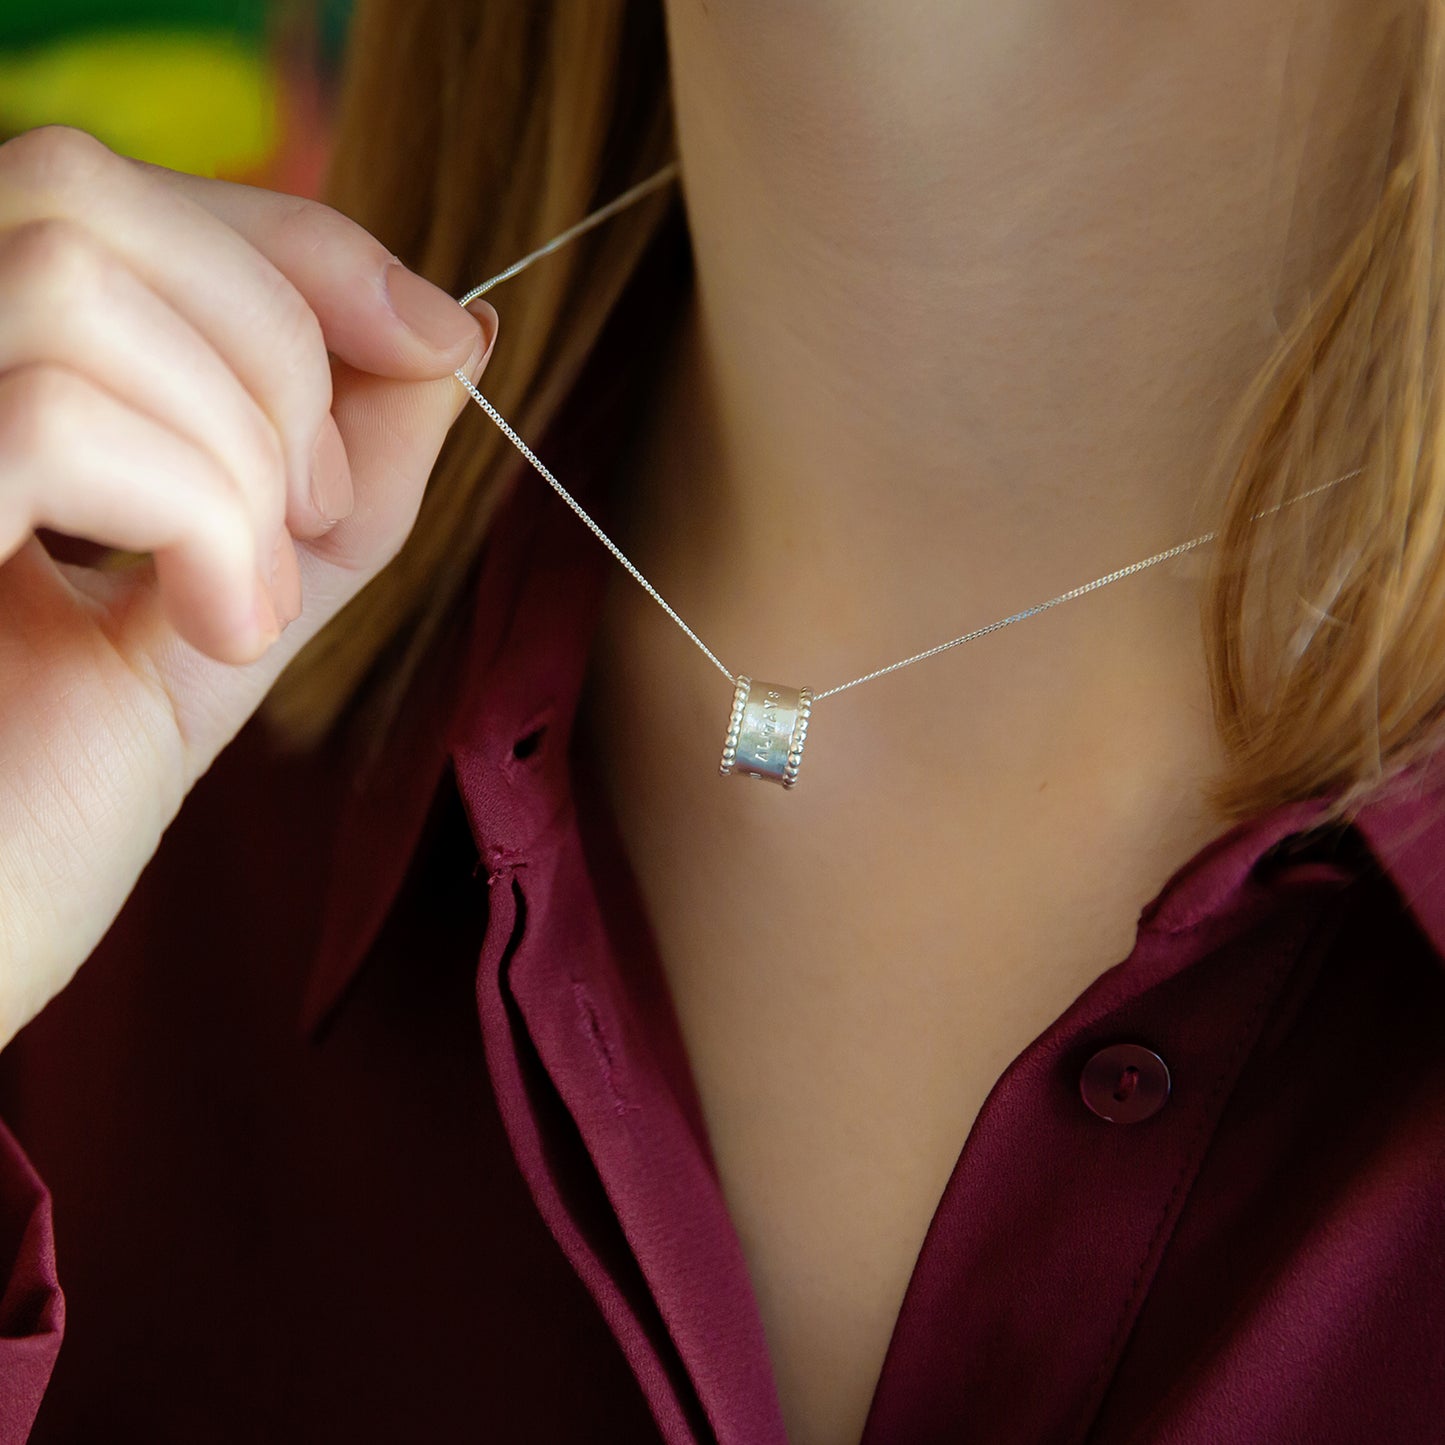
[[766, 731]]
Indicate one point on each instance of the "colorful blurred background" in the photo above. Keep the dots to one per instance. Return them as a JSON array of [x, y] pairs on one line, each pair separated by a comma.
[[239, 89]]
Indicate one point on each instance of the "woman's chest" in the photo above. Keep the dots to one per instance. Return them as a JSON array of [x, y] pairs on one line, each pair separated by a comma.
[[835, 1117], [852, 968], [842, 1044]]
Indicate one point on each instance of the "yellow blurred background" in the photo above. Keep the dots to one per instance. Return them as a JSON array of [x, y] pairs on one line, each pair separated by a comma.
[[239, 89]]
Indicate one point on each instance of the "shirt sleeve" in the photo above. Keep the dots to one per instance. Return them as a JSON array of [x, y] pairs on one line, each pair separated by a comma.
[[32, 1306]]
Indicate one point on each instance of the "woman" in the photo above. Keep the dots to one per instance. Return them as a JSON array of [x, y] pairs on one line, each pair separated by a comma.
[[1061, 1060]]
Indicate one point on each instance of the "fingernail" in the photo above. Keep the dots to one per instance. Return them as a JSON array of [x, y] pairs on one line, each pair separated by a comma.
[[331, 490], [486, 313], [433, 315]]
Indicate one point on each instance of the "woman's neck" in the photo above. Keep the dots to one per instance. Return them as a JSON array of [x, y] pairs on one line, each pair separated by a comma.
[[977, 285]]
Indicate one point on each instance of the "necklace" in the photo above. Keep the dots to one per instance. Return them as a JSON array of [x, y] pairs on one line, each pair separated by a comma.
[[768, 723]]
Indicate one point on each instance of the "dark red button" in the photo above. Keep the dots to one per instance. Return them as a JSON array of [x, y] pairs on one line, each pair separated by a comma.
[[1125, 1083]]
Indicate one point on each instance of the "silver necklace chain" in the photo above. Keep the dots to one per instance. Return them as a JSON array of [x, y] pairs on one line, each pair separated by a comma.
[[627, 198]]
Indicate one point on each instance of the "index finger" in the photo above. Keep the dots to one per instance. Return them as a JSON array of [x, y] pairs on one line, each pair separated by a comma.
[[377, 315]]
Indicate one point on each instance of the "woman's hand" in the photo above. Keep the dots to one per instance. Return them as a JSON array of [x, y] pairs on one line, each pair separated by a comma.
[[166, 388]]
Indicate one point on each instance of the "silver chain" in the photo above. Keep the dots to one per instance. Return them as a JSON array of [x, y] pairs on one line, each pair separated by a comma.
[[627, 198]]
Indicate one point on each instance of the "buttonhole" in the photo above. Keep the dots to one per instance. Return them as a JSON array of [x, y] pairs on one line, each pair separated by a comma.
[[529, 745], [592, 1027]]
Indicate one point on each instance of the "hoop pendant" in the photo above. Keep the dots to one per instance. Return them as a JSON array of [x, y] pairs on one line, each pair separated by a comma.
[[766, 731]]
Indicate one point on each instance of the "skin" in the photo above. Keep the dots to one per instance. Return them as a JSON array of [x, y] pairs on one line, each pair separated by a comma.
[[977, 287]]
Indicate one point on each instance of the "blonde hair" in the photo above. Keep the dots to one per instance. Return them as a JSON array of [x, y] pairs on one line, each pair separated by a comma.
[[1324, 624]]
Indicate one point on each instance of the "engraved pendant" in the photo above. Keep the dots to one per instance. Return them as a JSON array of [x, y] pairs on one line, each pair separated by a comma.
[[766, 731]]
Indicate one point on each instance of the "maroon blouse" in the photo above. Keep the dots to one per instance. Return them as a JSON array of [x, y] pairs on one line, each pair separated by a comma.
[[370, 1121]]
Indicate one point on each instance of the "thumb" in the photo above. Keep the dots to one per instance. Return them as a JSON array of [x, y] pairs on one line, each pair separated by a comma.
[[388, 434]]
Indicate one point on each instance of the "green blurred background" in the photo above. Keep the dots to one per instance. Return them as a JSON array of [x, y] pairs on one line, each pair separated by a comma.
[[240, 89]]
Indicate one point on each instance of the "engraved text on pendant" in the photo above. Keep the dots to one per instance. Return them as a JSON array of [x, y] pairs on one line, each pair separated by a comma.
[[766, 731]]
